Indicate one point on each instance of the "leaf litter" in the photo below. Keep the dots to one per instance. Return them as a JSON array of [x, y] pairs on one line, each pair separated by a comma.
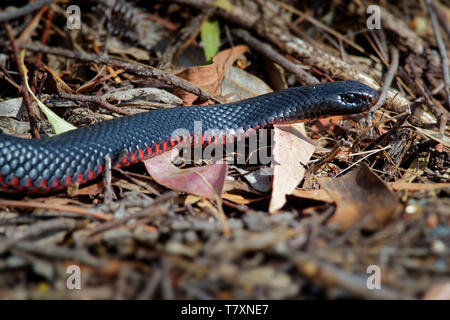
[[307, 227]]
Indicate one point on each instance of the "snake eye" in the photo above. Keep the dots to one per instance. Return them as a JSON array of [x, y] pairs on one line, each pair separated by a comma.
[[350, 98]]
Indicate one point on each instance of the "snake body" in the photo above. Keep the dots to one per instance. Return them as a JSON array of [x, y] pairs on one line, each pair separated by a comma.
[[50, 164]]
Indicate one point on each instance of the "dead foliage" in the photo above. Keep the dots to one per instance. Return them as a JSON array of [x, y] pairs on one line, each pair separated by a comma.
[[344, 194]]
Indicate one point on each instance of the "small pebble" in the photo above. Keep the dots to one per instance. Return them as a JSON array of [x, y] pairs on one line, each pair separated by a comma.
[[438, 247], [412, 209]]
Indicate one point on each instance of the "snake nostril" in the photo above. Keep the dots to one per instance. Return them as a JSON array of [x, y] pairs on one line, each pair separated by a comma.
[[374, 98]]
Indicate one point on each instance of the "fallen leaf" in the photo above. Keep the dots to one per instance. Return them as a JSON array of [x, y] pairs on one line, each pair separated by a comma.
[[190, 200], [226, 58], [238, 84], [440, 291], [206, 181], [240, 199], [223, 4], [99, 78], [291, 152], [13, 127], [60, 83], [58, 124], [356, 194], [313, 194], [209, 77], [436, 136], [416, 169], [91, 189], [258, 179], [117, 47], [326, 124], [10, 107], [210, 35]]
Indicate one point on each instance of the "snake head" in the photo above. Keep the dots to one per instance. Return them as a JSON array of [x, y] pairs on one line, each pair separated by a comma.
[[350, 97]]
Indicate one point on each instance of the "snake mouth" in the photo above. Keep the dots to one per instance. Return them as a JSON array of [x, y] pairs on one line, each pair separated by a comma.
[[374, 98]]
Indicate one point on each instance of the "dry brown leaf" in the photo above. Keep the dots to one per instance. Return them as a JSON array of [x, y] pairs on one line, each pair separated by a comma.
[[291, 152], [358, 193], [98, 79], [209, 77], [91, 189], [59, 82], [240, 199], [313, 194], [440, 291], [327, 123], [333, 123], [205, 181], [119, 48]]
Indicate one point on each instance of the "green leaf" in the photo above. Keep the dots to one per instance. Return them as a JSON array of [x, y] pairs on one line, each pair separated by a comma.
[[58, 124], [210, 35], [223, 4]]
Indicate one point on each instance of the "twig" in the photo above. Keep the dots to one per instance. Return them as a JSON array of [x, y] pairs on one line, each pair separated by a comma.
[[325, 273], [438, 9], [36, 229], [56, 207], [404, 34], [389, 77], [31, 26], [64, 253], [13, 14], [354, 164], [442, 50], [438, 109], [45, 34], [138, 69], [151, 212], [23, 89], [329, 64], [181, 41], [95, 99], [320, 25], [387, 80], [108, 178], [273, 55], [5, 75], [157, 208], [151, 286]]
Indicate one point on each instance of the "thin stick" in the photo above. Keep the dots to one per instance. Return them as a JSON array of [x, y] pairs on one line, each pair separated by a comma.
[[387, 80], [29, 8], [442, 50], [273, 55], [108, 178], [23, 89], [138, 69], [36, 229], [442, 17], [56, 207], [96, 99], [354, 164]]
